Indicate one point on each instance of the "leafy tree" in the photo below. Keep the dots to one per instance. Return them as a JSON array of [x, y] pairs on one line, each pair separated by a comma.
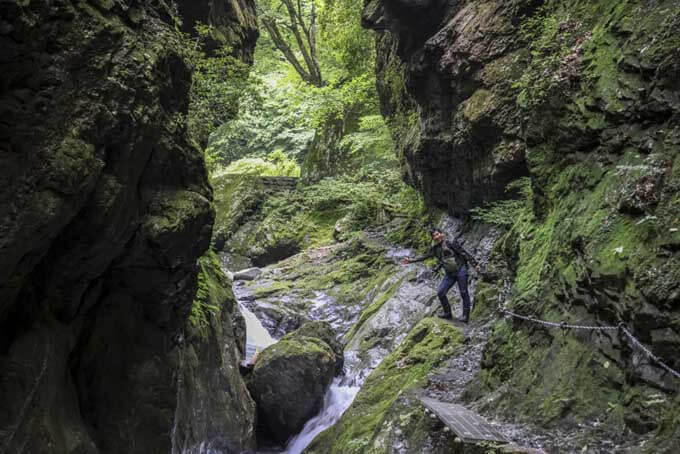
[[335, 122], [292, 26], [219, 83], [348, 49]]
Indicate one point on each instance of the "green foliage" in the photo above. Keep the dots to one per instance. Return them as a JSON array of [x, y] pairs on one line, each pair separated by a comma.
[[253, 222], [348, 49], [272, 120], [371, 145], [287, 112], [506, 212], [365, 198], [556, 42], [291, 26], [219, 83], [274, 164], [214, 291]]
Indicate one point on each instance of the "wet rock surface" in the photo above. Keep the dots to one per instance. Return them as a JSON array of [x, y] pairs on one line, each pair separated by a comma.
[[359, 288], [248, 274]]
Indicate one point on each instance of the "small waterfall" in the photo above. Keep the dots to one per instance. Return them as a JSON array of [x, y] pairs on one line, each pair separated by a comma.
[[256, 334], [338, 398]]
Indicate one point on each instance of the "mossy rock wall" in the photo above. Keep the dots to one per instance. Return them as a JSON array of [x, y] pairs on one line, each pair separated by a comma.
[[582, 97], [265, 222], [214, 410], [105, 208]]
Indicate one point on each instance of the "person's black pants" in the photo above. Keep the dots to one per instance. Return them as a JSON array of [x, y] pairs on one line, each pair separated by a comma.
[[462, 279]]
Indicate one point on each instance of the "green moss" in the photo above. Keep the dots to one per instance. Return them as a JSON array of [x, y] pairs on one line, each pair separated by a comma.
[[290, 347], [377, 303], [667, 436], [482, 102], [603, 53], [572, 377], [213, 293], [274, 287], [427, 345], [175, 209]]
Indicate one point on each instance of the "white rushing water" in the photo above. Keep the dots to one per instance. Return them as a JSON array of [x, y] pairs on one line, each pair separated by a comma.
[[256, 334], [338, 398]]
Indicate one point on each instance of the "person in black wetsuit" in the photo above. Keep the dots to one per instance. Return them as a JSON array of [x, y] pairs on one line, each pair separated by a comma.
[[454, 260]]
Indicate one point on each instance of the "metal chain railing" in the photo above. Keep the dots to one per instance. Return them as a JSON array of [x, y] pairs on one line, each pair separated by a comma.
[[648, 352], [621, 327], [562, 325]]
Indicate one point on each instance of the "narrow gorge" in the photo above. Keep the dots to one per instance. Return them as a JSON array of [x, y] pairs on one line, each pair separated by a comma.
[[215, 219]]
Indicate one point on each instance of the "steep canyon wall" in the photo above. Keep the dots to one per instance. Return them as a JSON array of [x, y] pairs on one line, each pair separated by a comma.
[[105, 208], [583, 98]]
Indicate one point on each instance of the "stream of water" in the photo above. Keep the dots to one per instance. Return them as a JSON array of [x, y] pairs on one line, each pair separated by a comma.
[[338, 398], [256, 334]]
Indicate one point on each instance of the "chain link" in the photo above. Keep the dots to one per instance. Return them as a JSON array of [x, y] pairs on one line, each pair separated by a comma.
[[562, 325], [620, 327], [647, 351]]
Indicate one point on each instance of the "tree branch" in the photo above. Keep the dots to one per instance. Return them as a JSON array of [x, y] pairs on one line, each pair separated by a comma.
[[282, 45], [297, 22]]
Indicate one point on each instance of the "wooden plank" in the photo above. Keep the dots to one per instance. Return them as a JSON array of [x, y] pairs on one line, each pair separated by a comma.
[[466, 424]]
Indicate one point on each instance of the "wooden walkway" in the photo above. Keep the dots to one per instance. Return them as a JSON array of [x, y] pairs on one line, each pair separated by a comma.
[[466, 424]]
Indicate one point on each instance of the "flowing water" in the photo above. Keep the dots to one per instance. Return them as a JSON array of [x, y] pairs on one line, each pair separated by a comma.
[[338, 398], [256, 334]]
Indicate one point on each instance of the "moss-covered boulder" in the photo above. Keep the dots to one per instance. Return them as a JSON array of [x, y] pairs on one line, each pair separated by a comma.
[[323, 331], [290, 379]]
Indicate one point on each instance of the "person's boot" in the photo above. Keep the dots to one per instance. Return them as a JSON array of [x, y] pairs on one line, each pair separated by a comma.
[[445, 316], [466, 315]]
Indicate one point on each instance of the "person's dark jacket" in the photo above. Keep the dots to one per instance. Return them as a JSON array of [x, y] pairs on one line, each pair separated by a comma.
[[450, 255]]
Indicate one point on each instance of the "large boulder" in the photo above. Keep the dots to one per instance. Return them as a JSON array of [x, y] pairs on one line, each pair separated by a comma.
[[290, 379]]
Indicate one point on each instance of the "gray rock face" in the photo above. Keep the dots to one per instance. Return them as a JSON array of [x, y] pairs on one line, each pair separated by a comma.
[[461, 146], [247, 275], [104, 209], [290, 379]]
